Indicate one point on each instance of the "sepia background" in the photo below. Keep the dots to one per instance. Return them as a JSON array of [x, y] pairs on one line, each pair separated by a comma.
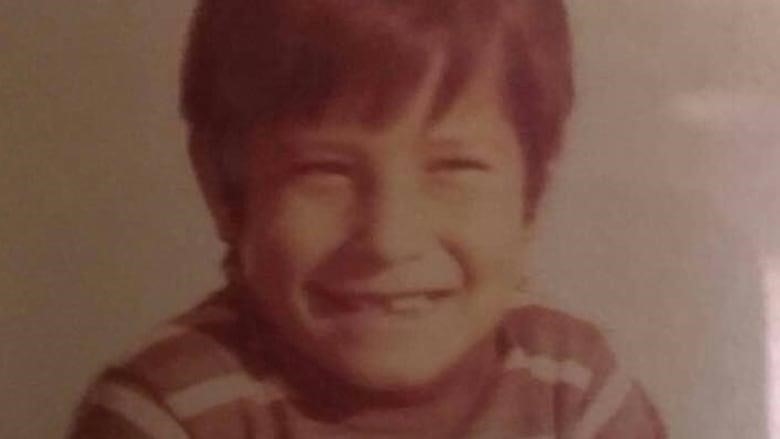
[[661, 225]]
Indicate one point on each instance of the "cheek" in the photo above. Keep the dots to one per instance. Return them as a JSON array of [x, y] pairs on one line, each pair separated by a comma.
[[489, 236], [286, 240]]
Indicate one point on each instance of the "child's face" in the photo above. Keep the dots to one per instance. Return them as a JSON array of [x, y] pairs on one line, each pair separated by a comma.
[[384, 255]]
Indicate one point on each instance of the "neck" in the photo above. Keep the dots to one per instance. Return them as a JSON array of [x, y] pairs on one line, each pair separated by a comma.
[[442, 405]]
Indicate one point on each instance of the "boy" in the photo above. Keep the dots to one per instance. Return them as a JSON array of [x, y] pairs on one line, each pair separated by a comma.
[[374, 168]]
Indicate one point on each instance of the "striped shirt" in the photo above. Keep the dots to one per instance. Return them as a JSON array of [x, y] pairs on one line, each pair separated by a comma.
[[203, 375]]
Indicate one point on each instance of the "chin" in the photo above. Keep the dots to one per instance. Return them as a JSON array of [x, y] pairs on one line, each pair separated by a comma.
[[404, 374], [395, 386]]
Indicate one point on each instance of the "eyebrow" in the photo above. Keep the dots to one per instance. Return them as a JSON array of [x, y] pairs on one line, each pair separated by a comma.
[[434, 139], [342, 146], [323, 145]]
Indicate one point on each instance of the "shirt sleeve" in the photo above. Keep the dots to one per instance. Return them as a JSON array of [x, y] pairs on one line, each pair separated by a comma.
[[114, 409], [618, 409], [594, 398], [636, 417]]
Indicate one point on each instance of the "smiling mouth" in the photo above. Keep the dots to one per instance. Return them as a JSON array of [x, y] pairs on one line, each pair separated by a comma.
[[331, 302]]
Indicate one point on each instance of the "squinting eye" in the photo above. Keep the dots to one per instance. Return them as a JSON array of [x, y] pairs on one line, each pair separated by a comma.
[[321, 168], [459, 164]]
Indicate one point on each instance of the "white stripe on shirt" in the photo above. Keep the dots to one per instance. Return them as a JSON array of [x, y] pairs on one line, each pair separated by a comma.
[[137, 409], [199, 398], [549, 370], [606, 404]]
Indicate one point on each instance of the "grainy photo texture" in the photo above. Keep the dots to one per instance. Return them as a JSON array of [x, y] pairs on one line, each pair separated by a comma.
[[375, 170]]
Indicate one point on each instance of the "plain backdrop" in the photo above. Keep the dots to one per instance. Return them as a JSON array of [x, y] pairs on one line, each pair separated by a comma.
[[660, 225]]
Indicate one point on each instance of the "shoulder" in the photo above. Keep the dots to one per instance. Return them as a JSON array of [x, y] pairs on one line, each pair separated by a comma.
[[592, 395], [542, 331], [556, 351], [190, 374], [201, 344]]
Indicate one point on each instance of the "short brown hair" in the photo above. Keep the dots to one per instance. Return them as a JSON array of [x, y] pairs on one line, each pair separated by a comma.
[[272, 62]]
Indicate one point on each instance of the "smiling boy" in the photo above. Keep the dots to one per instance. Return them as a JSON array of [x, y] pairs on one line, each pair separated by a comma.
[[374, 168]]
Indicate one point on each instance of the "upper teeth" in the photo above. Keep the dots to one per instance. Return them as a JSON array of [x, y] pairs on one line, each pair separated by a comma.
[[392, 303]]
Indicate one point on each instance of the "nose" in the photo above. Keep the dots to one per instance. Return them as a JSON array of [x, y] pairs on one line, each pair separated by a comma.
[[392, 223]]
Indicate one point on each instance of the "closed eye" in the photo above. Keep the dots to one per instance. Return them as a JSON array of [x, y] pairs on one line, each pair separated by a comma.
[[321, 167], [459, 164]]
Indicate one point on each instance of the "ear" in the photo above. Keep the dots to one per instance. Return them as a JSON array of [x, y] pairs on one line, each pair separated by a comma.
[[213, 186]]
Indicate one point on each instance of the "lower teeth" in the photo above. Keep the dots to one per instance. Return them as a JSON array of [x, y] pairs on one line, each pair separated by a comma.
[[408, 304]]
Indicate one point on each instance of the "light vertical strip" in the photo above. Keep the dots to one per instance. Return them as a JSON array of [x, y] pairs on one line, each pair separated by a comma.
[[772, 291]]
